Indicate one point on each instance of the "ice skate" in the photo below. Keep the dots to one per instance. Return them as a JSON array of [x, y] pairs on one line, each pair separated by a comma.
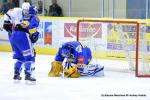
[[30, 80], [17, 78]]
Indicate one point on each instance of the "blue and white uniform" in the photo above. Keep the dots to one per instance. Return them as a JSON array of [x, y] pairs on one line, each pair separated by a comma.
[[75, 53], [20, 39]]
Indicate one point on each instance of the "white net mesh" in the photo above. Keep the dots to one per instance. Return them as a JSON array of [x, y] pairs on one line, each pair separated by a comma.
[[144, 60], [111, 40]]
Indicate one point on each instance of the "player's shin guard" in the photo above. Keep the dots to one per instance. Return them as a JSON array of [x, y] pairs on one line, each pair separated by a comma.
[[17, 70], [28, 71]]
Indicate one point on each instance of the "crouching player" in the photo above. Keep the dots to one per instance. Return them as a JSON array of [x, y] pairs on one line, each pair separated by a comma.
[[77, 59]]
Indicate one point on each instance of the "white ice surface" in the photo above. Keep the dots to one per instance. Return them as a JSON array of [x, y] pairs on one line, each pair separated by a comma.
[[91, 88]]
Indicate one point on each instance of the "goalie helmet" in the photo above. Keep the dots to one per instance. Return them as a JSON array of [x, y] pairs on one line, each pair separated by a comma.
[[66, 49]]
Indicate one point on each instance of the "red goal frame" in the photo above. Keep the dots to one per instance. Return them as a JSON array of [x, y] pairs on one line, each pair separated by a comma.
[[119, 21]]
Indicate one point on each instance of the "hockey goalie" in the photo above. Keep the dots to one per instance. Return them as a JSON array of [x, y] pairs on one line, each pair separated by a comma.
[[73, 60]]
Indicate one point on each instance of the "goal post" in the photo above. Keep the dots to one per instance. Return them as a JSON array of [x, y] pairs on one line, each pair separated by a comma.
[[117, 39], [143, 50]]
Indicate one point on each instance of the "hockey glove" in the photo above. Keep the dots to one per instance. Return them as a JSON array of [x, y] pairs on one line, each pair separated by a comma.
[[7, 26], [72, 72], [56, 69], [34, 37], [25, 24]]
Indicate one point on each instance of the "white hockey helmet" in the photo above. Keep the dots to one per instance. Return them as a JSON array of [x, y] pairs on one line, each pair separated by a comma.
[[25, 8]]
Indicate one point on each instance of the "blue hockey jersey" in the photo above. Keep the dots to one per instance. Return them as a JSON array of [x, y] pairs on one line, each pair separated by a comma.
[[77, 53], [21, 44], [31, 24]]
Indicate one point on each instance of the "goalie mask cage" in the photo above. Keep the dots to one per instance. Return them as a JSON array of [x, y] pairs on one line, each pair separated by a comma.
[[114, 39]]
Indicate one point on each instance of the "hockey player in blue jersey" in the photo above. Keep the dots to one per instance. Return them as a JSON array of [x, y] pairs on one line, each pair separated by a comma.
[[23, 33], [76, 63]]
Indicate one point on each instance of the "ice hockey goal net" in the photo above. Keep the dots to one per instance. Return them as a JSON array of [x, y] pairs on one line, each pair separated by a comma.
[[117, 40]]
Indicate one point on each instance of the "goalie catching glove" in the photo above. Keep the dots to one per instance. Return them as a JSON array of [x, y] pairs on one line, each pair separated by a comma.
[[56, 69], [72, 72]]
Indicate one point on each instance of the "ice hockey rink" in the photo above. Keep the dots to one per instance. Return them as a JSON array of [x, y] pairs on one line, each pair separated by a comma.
[[113, 86]]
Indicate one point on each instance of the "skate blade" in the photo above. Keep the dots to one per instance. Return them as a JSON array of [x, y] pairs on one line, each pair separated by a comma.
[[17, 81], [30, 82]]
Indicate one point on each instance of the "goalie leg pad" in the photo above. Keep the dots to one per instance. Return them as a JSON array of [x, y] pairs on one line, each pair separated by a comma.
[[99, 71], [56, 69], [93, 70]]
